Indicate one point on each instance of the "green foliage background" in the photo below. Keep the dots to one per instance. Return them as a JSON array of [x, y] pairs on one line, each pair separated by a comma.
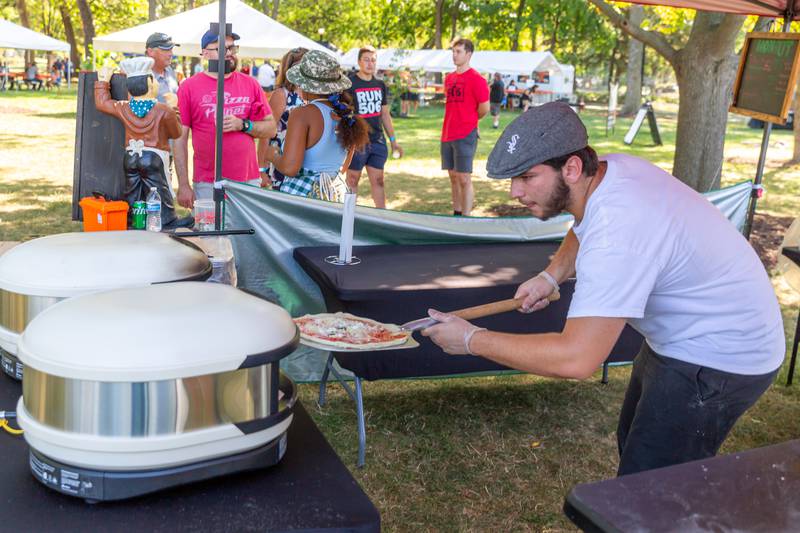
[[572, 29]]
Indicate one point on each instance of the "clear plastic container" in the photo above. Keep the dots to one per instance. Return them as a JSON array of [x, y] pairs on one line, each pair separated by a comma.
[[204, 215]]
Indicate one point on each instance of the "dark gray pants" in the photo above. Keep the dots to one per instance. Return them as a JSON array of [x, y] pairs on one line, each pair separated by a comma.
[[676, 412]]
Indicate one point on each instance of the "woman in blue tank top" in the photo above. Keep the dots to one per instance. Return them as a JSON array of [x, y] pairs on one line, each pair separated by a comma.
[[322, 135]]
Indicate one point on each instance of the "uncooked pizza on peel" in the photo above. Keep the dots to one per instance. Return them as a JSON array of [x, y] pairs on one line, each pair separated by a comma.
[[343, 330]]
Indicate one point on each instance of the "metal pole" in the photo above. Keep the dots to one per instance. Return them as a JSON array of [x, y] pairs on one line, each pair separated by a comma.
[[219, 194], [762, 157]]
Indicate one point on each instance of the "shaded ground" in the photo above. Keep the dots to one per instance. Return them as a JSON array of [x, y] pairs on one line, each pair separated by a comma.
[[766, 236]]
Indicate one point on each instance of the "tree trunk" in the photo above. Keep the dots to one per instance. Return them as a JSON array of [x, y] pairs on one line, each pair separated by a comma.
[[66, 19], [437, 38], [22, 9], [453, 20], [633, 76], [88, 26], [705, 69], [534, 38], [556, 24], [152, 5], [275, 5], [517, 26]]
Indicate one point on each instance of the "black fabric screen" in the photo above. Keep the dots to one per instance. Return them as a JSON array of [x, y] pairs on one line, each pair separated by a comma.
[[396, 284]]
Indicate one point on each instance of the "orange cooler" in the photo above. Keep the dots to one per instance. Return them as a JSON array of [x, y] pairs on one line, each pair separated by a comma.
[[102, 215]]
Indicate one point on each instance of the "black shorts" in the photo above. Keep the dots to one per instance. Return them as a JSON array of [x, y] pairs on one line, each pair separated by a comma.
[[457, 155], [373, 155]]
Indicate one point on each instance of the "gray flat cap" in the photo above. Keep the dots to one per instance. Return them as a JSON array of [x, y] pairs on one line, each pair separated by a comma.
[[541, 133]]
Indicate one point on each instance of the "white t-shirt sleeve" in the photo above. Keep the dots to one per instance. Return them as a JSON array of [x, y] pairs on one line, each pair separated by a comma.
[[612, 282]]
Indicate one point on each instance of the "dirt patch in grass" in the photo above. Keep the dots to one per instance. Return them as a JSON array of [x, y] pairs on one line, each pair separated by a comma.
[[767, 236], [17, 110]]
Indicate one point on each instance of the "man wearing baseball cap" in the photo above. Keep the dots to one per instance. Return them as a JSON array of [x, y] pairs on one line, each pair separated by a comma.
[[246, 116], [159, 46], [649, 251]]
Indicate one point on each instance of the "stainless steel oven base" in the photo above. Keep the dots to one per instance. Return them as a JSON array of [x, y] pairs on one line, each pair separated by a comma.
[[96, 486]]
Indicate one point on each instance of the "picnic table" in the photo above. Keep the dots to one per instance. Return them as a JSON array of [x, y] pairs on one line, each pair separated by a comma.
[[16, 79]]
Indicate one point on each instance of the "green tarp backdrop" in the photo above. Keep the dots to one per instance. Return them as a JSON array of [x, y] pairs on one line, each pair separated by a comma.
[[284, 222]]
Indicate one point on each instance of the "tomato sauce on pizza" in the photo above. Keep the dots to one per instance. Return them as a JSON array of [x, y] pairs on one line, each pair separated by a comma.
[[343, 330]]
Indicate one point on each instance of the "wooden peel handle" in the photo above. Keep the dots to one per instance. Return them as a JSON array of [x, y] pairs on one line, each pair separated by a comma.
[[495, 308]]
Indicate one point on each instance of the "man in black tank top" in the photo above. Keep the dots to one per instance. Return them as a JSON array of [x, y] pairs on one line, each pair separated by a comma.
[[370, 98]]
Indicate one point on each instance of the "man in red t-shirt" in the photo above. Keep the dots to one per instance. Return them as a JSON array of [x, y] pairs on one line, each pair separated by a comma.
[[467, 102], [246, 115]]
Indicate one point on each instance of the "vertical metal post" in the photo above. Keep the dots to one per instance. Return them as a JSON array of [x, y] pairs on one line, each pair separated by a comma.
[[219, 194], [762, 157]]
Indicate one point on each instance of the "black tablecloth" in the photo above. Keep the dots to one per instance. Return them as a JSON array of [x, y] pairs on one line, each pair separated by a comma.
[[398, 283], [309, 490], [756, 490]]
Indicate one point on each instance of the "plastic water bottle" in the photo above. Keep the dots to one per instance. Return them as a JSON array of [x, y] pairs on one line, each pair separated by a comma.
[[153, 210]]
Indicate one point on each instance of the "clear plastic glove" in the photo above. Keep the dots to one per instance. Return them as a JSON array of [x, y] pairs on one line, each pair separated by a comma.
[[535, 291], [452, 334]]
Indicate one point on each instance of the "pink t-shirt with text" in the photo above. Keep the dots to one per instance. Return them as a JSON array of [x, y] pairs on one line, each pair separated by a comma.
[[197, 99]]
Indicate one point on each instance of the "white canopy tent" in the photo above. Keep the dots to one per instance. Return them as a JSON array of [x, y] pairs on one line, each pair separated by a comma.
[[21, 38], [260, 35], [560, 77]]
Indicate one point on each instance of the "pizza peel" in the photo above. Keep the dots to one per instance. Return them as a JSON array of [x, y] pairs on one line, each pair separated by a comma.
[[468, 313], [478, 311]]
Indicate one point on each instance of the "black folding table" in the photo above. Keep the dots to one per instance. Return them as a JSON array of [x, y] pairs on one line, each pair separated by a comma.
[[398, 283], [754, 490], [309, 490]]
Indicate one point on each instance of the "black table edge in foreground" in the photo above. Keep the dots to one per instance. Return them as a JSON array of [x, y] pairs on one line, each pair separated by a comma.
[[310, 490], [751, 490]]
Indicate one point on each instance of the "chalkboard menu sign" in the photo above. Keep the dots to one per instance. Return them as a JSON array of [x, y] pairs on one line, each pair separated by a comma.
[[767, 75]]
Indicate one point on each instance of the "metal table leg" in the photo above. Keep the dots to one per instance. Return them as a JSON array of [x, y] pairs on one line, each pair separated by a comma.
[[362, 426], [794, 351], [323, 383]]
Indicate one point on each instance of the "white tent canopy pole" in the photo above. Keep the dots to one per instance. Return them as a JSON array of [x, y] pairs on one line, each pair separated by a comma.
[[486, 61], [21, 38], [260, 35]]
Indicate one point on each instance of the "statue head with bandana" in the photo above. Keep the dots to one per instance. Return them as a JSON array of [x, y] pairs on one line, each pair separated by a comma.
[[141, 84]]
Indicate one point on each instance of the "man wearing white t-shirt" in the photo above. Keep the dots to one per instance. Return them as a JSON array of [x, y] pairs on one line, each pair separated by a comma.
[[649, 251], [266, 76]]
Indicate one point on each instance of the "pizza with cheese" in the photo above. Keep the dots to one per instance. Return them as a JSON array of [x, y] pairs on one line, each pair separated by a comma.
[[343, 330]]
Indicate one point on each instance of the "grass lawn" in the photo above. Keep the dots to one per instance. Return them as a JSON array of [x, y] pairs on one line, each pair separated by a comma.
[[469, 454]]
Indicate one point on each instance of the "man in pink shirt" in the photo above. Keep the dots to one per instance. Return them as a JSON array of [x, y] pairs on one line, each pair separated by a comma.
[[467, 102], [247, 115]]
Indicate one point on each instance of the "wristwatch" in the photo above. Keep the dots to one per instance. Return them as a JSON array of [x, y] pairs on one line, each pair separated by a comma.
[[246, 125]]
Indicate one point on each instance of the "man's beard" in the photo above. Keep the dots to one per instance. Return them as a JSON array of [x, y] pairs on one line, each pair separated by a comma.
[[558, 199]]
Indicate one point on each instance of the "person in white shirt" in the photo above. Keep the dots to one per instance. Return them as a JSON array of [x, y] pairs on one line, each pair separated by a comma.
[[266, 77], [648, 251]]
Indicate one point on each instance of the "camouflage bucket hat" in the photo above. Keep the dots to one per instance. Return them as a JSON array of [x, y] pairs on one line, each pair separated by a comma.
[[318, 73]]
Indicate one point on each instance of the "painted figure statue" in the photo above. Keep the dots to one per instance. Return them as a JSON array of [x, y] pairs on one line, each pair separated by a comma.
[[149, 125]]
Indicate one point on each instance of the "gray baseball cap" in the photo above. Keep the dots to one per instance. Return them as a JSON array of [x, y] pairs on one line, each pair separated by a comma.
[[541, 133]]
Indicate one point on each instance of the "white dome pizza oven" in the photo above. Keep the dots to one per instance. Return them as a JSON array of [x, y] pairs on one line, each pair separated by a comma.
[[131, 391], [38, 273]]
